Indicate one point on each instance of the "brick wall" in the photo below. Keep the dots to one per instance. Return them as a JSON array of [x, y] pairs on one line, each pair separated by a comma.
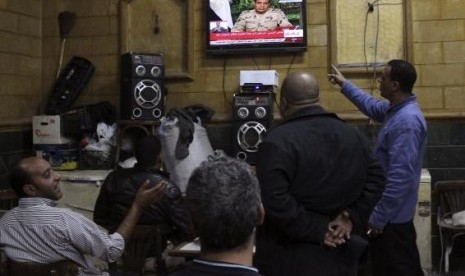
[[94, 36], [20, 60]]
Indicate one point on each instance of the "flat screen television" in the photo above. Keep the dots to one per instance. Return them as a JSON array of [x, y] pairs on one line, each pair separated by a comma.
[[248, 26]]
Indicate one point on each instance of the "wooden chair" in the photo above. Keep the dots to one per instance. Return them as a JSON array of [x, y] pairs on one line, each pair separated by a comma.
[[451, 196], [62, 268], [146, 241]]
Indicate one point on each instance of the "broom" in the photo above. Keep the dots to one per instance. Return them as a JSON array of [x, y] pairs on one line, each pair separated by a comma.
[[65, 24]]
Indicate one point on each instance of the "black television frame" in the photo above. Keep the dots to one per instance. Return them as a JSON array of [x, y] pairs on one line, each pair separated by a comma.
[[250, 48]]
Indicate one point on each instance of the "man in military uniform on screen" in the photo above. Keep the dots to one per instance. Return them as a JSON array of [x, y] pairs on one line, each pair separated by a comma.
[[261, 18]]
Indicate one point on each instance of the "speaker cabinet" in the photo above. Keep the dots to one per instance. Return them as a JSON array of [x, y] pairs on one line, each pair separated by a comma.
[[69, 84], [142, 86], [252, 119]]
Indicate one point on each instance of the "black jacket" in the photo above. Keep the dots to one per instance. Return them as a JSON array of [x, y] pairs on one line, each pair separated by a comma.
[[118, 192], [310, 168]]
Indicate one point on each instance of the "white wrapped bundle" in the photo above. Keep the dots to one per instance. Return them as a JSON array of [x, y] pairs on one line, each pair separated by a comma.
[[199, 150]]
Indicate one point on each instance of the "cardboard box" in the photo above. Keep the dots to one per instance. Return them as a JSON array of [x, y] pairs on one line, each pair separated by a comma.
[[47, 130], [265, 77]]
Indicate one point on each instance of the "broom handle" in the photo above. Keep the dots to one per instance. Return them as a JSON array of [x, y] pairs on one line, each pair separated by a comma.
[[62, 52]]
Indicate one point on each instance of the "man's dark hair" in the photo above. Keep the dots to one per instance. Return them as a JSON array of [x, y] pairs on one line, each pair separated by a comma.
[[223, 197], [18, 177], [147, 150], [403, 72]]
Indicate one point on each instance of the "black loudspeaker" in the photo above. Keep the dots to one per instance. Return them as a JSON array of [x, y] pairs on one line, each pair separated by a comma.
[[69, 84], [142, 86], [252, 119]]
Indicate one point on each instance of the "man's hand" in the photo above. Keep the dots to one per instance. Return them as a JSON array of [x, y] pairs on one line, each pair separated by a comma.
[[373, 231], [339, 230], [146, 195], [336, 77]]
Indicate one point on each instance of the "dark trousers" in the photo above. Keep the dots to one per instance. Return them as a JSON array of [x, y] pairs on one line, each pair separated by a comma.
[[395, 252]]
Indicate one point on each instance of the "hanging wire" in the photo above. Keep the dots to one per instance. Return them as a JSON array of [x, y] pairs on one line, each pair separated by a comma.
[[373, 79], [224, 83], [370, 122], [365, 31], [277, 105], [256, 64], [376, 46], [292, 62]]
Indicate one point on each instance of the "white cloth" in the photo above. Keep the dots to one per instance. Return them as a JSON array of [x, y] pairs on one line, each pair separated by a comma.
[[199, 150], [458, 219], [223, 10]]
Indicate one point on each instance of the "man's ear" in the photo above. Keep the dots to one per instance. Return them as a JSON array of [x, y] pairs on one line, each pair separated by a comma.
[[29, 190], [395, 85], [261, 214]]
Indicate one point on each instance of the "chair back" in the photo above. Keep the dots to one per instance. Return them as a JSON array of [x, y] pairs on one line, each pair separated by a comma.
[[451, 196], [146, 241], [62, 268]]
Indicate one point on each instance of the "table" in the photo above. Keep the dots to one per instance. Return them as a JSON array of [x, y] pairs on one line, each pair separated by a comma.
[[80, 190]]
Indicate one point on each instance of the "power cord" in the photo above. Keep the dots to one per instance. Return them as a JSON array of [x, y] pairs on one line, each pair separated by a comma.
[[224, 83]]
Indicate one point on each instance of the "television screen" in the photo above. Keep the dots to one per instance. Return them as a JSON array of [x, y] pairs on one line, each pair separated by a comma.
[[255, 26]]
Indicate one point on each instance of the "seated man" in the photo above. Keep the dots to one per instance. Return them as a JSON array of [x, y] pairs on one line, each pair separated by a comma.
[[120, 188], [223, 197], [37, 231]]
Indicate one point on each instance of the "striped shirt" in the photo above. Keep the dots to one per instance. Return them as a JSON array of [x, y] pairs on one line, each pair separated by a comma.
[[37, 231]]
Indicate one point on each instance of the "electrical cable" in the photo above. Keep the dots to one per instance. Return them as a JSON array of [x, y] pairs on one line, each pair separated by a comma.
[[224, 83], [365, 47], [373, 79], [287, 73], [376, 47], [256, 64], [370, 122], [277, 106], [371, 8], [290, 65]]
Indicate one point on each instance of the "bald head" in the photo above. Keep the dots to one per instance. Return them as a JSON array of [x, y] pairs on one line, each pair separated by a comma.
[[300, 89]]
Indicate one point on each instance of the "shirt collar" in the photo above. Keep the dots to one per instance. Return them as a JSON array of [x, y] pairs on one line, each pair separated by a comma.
[[223, 264], [311, 111], [33, 201], [410, 99]]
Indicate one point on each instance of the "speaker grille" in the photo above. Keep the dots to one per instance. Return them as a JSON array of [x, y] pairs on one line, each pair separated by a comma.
[[142, 86], [253, 117]]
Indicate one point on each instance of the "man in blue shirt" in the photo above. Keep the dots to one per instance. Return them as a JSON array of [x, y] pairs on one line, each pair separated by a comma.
[[399, 148]]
